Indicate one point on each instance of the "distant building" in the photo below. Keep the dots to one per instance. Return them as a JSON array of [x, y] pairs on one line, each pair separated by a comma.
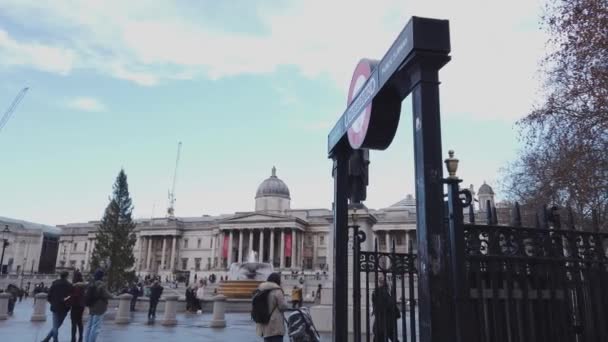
[[32, 247], [290, 239]]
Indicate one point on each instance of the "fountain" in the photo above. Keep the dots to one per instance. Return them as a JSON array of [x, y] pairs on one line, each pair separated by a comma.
[[244, 278]]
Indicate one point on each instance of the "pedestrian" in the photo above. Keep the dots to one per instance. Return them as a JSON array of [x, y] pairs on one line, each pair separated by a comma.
[[200, 292], [385, 311], [133, 291], [155, 292], [318, 295], [96, 299], [274, 328], [13, 291], [296, 297], [77, 305], [58, 297]]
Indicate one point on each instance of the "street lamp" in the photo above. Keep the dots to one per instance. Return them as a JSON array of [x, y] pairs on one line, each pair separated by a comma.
[[5, 234]]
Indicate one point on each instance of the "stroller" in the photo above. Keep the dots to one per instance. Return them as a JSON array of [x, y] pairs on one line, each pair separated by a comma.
[[300, 326]]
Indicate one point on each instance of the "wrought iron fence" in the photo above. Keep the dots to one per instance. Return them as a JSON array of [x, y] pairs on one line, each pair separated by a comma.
[[535, 284], [384, 294]]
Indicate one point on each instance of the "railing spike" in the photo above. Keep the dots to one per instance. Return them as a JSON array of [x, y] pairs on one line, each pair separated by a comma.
[[494, 216], [571, 223], [488, 212], [516, 215], [595, 219], [555, 218], [471, 213], [544, 217]]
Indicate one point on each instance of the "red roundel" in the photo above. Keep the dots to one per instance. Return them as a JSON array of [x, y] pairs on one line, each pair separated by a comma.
[[357, 131]]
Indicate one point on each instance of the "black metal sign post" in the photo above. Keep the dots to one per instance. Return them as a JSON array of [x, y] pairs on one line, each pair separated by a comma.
[[370, 121]]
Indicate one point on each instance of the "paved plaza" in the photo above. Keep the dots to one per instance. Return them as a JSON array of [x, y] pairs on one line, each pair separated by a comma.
[[190, 327]]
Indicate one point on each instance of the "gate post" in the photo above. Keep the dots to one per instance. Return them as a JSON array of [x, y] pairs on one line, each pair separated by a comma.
[[456, 249], [340, 276], [436, 323]]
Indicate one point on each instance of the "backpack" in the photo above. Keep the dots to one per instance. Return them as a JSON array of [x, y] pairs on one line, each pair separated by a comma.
[[260, 312], [91, 296], [300, 326]]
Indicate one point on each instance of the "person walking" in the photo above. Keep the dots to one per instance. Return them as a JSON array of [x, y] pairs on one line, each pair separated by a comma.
[[274, 330], [58, 297], [96, 298], [134, 291], [77, 305], [385, 311], [200, 293], [155, 292], [296, 297]]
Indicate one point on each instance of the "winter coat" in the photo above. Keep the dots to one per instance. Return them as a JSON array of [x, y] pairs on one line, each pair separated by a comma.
[[155, 292], [100, 306], [58, 293], [77, 295], [277, 304]]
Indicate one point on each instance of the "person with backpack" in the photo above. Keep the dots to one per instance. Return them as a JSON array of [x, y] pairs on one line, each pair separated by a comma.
[[155, 292], [77, 305], [96, 299], [58, 297], [268, 305]]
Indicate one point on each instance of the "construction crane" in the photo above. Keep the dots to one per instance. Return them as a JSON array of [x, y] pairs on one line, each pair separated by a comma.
[[9, 112], [171, 208]]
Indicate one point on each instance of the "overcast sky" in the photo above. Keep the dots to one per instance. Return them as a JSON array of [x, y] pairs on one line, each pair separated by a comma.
[[245, 85]]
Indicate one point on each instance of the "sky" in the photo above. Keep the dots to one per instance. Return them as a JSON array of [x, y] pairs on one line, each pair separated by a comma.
[[244, 85]]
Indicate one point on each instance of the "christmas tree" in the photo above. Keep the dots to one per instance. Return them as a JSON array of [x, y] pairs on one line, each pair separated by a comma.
[[115, 237]]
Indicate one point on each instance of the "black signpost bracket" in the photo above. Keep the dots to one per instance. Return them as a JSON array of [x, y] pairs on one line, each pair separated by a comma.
[[410, 66]]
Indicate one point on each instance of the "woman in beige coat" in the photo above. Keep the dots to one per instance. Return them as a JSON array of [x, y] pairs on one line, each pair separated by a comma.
[[274, 330]]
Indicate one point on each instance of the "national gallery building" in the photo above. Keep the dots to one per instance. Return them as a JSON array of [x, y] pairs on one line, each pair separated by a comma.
[[290, 239]]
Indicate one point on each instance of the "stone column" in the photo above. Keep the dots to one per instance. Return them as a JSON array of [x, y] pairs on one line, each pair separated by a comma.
[[213, 251], [315, 242], [39, 314], [294, 246], [250, 247], [282, 249], [301, 253], [240, 250], [173, 252], [149, 255], [4, 305], [123, 315], [388, 241], [219, 317], [170, 310], [162, 256], [230, 249], [271, 255], [261, 249]]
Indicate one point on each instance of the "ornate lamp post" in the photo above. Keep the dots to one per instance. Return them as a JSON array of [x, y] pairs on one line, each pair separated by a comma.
[[5, 235]]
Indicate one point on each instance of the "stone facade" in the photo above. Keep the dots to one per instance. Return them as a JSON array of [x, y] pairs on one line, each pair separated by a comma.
[[290, 239]]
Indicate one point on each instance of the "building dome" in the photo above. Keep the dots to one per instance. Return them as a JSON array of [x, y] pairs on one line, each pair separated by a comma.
[[273, 187], [485, 189]]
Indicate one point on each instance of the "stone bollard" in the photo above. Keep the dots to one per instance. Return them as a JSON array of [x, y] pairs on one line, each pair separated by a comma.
[[219, 307], [123, 316], [4, 305], [170, 309], [39, 314]]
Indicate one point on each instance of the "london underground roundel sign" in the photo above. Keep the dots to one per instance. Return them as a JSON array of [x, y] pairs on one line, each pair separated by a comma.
[[358, 130]]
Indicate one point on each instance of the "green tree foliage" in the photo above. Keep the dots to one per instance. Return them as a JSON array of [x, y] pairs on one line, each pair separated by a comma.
[[115, 237], [565, 157]]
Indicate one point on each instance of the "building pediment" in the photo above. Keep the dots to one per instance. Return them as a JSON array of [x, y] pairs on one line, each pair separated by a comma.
[[257, 220]]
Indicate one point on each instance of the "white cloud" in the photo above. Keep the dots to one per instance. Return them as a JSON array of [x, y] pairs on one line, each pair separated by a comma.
[[87, 104], [496, 45], [39, 56]]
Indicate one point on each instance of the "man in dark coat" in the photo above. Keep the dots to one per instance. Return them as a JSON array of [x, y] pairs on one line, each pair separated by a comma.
[[386, 312], [58, 297], [155, 292]]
